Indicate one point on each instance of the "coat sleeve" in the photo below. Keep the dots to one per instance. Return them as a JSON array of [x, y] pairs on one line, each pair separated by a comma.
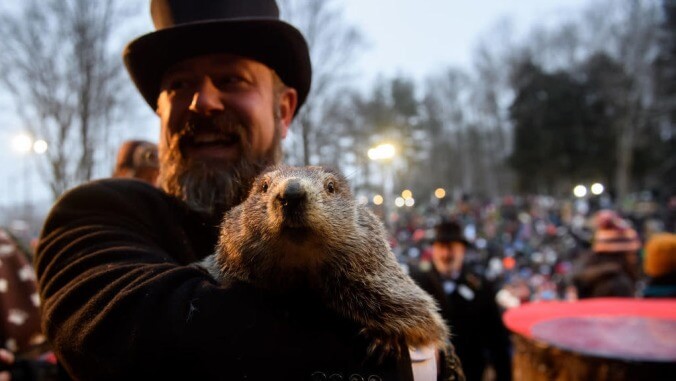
[[114, 297], [497, 340]]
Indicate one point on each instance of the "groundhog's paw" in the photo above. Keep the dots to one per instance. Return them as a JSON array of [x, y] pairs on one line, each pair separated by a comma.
[[383, 345], [432, 334]]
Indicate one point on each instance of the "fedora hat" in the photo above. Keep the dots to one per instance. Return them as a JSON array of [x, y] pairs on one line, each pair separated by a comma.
[[190, 28]]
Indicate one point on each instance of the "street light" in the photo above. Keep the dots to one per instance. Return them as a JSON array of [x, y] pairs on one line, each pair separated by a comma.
[[597, 188], [440, 193], [384, 153], [40, 146], [24, 144], [580, 191]]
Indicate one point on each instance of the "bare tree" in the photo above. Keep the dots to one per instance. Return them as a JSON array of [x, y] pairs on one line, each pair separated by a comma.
[[628, 32], [490, 100], [66, 80], [333, 44]]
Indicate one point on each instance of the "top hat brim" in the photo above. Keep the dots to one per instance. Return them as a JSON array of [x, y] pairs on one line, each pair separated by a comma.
[[272, 42], [453, 239]]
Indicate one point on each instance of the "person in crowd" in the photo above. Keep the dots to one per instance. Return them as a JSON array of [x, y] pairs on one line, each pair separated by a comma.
[[659, 264], [468, 304], [121, 300], [612, 267], [137, 159], [23, 347]]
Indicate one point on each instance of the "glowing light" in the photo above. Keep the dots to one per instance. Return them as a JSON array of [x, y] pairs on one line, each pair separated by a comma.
[[381, 152], [406, 194], [378, 199], [580, 191], [399, 202], [40, 146], [440, 193], [597, 188], [409, 202], [22, 143]]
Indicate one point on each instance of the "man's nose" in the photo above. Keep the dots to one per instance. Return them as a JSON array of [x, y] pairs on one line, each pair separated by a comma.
[[207, 99]]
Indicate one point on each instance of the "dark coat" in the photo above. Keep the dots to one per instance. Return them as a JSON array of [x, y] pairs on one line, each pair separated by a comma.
[[476, 325], [603, 275], [119, 302]]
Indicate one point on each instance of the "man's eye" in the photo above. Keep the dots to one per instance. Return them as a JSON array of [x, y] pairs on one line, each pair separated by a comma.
[[177, 84], [229, 80]]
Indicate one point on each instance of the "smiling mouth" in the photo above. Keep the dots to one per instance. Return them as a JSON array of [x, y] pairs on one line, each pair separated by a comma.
[[211, 144], [209, 139]]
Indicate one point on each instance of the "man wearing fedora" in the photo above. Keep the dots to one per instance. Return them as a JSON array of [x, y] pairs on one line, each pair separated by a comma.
[[467, 303], [120, 301]]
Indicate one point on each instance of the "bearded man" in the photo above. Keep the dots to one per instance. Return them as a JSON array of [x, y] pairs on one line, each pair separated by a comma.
[[120, 301]]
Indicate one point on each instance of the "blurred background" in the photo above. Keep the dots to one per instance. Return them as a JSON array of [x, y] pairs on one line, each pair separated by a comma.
[[518, 118]]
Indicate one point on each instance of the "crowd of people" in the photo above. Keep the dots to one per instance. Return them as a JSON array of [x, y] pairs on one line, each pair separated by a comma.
[[534, 248], [121, 298], [526, 250]]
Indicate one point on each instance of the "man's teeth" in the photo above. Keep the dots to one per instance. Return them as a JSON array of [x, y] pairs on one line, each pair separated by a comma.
[[207, 138]]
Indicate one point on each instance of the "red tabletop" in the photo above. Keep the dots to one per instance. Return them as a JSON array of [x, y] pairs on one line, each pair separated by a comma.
[[633, 329]]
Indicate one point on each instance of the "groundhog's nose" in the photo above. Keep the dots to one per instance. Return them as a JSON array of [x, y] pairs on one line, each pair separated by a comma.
[[292, 194]]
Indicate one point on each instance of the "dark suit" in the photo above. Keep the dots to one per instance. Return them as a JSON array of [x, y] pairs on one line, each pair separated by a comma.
[[119, 302], [468, 306]]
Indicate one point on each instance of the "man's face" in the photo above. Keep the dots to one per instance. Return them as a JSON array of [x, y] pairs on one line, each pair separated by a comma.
[[222, 121], [448, 257]]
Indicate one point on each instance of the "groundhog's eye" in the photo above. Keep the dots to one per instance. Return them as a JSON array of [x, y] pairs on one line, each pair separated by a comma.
[[330, 187], [265, 186]]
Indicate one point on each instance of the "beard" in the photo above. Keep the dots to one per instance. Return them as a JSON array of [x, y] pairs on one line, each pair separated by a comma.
[[209, 186]]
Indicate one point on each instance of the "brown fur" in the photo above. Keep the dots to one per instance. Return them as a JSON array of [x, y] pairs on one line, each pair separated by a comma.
[[330, 245]]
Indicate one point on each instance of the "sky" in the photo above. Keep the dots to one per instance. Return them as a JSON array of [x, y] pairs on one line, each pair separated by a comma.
[[420, 37], [415, 38]]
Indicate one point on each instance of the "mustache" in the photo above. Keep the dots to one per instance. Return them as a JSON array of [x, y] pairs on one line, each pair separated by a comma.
[[224, 124]]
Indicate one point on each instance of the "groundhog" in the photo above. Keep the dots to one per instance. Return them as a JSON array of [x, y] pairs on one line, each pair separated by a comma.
[[300, 228]]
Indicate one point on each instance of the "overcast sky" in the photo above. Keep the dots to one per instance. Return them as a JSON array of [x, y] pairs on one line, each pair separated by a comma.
[[408, 37]]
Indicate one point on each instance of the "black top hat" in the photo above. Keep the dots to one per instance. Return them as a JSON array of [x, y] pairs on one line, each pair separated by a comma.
[[449, 231], [189, 28]]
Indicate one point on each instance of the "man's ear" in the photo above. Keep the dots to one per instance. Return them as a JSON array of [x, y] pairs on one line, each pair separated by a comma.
[[288, 101]]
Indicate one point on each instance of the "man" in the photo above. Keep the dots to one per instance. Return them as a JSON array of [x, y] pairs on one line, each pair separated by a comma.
[[120, 300], [467, 304], [137, 159]]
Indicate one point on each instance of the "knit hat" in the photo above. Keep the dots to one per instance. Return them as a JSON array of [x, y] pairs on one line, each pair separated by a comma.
[[613, 234], [660, 255]]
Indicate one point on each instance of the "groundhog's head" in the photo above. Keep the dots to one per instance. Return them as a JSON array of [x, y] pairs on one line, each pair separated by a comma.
[[293, 221]]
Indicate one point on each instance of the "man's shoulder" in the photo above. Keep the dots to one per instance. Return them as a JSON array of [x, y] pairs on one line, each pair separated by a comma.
[[99, 193], [115, 185], [108, 197]]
